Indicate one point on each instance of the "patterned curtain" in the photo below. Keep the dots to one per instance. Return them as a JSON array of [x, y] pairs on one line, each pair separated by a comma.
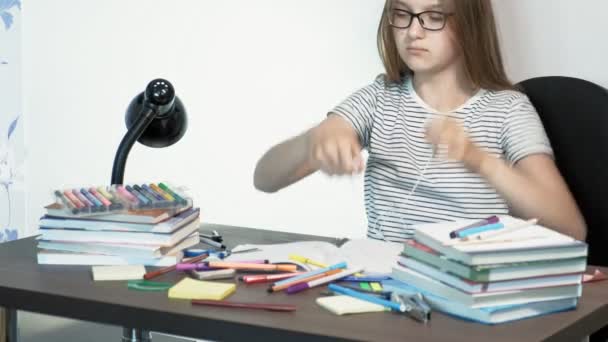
[[12, 149]]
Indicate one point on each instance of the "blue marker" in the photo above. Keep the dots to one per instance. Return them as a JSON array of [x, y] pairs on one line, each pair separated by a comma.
[[365, 279], [95, 204], [144, 201], [161, 200], [480, 229], [368, 298], [153, 201]]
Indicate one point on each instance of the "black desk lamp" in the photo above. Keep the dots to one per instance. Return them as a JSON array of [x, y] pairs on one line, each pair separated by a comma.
[[155, 118]]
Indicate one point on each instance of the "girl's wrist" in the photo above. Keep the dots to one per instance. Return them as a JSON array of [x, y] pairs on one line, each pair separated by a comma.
[[476, 159]]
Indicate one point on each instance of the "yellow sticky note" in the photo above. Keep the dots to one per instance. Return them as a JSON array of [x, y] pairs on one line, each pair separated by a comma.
[[196, 289], [376, 287]]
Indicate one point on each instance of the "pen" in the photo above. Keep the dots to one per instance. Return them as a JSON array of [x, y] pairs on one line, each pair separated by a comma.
[[251, 266], [265, 278], [382, 294], [509, 229], [324, 280], [205, 266], [311, 273], [164, 270], [368, 298], [480, 229], [492, 219], [284, 286], [242, 305]]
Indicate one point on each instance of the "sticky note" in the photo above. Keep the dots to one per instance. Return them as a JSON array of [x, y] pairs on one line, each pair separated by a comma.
[[365, 286], [343, 305], [376, 287], [189, 288], [127, 272]]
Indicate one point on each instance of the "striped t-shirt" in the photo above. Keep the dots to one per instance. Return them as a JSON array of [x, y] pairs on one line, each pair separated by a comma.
[[391, 119]]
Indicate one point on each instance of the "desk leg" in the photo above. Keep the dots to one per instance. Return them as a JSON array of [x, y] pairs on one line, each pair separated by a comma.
[[135, 335], [8, 325]]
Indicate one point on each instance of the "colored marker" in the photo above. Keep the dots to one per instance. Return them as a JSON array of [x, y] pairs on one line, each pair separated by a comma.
[[249, 266], [105, 193], [127, 196], [106, 198], [92, 199], [144, 201], [490, 220], [287, 285], [240, 305], [324, 280], [66, 202], [266, 278], [306, 260], [480, 229], [161, 192], [206, 267], [311, 273], [84, 200], [153, 201], [69, 195], [153, 193], [160, 199], [100, 197], [172, 193], [368, 298], [366, 278]]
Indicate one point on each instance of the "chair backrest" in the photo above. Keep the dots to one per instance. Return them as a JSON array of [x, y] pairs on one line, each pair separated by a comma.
[[574, 113]]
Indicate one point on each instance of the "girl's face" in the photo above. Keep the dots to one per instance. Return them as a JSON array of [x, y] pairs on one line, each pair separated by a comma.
[[427, 44]]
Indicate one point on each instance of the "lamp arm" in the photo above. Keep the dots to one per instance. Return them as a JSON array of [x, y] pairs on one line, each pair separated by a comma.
[[136, 130]]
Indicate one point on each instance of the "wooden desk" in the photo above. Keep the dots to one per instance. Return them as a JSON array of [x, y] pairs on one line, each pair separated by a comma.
[[69, 291]]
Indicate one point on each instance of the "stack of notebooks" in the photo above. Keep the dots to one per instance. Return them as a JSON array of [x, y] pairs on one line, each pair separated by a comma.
[[151, 237], [528, 272]]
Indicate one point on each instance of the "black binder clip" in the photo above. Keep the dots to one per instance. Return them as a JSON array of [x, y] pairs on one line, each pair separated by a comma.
[[415, 306]]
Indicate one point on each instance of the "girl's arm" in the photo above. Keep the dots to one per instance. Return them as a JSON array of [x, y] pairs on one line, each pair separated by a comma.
[[533, 187], [332, 146]]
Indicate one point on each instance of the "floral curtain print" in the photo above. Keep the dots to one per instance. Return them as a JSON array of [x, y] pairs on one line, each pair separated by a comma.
[[12, 199]]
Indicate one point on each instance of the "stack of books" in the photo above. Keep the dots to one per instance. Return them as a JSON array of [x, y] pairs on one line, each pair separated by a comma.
[[137, 236], [520, 273]]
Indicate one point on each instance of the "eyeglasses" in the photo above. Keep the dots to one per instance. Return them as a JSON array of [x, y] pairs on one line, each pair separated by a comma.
[[429, 20]]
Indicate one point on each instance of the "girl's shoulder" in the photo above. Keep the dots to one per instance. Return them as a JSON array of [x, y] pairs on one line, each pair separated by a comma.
[[382, 82], [506, 98]]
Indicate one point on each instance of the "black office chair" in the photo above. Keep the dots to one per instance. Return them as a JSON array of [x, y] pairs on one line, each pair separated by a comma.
[[574, 113]]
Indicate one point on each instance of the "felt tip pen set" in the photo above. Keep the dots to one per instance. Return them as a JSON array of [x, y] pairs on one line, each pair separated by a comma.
[[95, 200]]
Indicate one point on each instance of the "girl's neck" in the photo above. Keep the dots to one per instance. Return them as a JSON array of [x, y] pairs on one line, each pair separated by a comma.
[[444, 91]]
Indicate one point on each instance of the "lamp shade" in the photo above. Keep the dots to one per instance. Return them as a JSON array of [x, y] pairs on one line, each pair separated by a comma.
[[171, 121]]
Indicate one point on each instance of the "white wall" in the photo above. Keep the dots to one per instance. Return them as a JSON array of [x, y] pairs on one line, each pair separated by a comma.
[[251, 73], [554, 37]]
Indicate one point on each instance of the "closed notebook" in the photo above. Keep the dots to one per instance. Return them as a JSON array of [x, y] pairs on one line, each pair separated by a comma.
[[487, 315], [494, 272], [100, 224], [197, 289], [344, 305], [528, 244], [128, 272]]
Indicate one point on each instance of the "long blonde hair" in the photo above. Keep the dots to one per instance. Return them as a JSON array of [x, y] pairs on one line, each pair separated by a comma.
[[476, 35]]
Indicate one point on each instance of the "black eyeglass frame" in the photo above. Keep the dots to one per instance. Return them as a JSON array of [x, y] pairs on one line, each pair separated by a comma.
[[417, 16]]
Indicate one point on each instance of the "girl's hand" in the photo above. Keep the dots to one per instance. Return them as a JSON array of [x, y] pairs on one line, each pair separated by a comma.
[[447, 133], [334, 147]]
